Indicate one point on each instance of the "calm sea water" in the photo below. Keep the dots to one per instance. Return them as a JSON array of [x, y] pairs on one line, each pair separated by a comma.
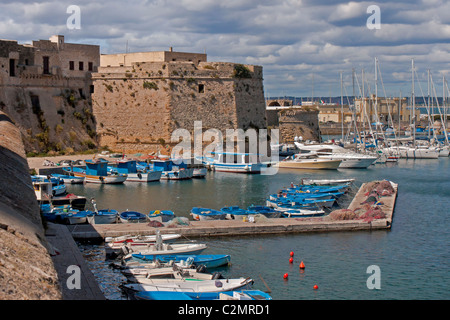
[[413, 257]]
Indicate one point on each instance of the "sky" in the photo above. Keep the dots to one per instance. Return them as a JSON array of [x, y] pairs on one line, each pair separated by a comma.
[[303, 45]]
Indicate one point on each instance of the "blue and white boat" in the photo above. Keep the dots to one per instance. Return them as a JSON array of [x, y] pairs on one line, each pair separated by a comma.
[[68, 179], [268, 212], [234, 212], [97, 172], [58, 186], [132, 217], [235, 162], [198, 213], [171, 170], [104, 216], [135, 172], [225, 295], [78, 217], [161, 215], [208, 260], [302, 213]]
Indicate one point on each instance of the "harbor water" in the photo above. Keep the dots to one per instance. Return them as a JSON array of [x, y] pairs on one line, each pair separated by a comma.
[[413, 257]]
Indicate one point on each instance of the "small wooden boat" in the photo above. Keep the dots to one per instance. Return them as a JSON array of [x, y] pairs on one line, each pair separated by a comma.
[[97, 172], [135, 172], [198, 213], [161, 215], [226, 295], [147, 275], [175, 285], [132, 217], [235, 162], [69, 179], [264, 210], [208, 260], [301, 213], [234, 212], [105, 216], [140, 238], [78, 217]]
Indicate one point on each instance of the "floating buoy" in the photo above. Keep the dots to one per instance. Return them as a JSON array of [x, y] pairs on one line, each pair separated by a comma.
[[316, 287], [291, 260], [291, 254], [285, 276], [302, 265]]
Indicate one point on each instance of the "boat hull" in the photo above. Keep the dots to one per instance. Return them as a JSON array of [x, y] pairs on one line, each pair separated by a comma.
[[110, 179], [144, 177], [315, 164], [208, 260], [177, 174], [207, 214]]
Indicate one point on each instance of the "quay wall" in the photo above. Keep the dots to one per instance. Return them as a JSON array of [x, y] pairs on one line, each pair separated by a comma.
[[26, 269]]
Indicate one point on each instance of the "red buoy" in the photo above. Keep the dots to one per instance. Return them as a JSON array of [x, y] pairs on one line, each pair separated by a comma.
[[285, 276], [316, 287], [292, 254], [302, 265], [291, 260]]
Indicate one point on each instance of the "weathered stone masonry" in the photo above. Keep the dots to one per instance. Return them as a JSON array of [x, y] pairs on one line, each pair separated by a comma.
[[138, 106]]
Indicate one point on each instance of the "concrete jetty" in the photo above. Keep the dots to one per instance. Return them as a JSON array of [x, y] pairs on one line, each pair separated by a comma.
[[211, 228]]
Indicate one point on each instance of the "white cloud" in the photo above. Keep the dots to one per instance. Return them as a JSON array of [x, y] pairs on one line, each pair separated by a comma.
[[291, 39]]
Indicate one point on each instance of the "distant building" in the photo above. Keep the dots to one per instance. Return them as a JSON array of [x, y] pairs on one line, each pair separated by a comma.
[[45, 88]]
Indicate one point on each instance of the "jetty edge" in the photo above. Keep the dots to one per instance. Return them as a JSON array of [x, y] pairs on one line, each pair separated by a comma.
[[216, 228]]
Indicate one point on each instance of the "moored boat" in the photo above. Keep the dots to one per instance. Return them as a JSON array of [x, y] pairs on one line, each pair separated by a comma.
[[68, 179], [208, 260], [78, 217], [97, 172], [164, 249], [234, 212], [264, 210], [235, 162], [217, 285], [226, 295], [198, 213], [161, 215], [310, 161], [132, 217], [130, 168], [104, 216]]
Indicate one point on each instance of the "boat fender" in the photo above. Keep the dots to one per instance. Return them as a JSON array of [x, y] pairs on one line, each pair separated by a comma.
[[218, 284], [139, 175], [101, 178]]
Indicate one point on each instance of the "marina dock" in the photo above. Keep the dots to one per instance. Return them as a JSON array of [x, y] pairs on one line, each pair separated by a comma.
[[213, 228]]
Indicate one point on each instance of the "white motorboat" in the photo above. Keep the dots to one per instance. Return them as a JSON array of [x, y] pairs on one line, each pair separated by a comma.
[[349, 158], [309, 161], [183, 285]]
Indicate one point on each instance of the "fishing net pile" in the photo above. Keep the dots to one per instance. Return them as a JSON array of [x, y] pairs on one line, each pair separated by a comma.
[[370, 208], [177, 222]]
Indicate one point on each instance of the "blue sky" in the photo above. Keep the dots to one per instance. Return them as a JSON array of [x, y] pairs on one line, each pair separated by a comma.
[[298, 42]]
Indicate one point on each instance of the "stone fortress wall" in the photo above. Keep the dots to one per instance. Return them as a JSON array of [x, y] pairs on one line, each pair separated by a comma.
[[159, 97]]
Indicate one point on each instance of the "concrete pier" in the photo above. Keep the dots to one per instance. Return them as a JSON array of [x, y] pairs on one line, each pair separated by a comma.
[[213, 228]]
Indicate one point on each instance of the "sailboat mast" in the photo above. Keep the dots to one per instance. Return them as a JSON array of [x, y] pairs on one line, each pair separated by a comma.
[[342, 110]]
